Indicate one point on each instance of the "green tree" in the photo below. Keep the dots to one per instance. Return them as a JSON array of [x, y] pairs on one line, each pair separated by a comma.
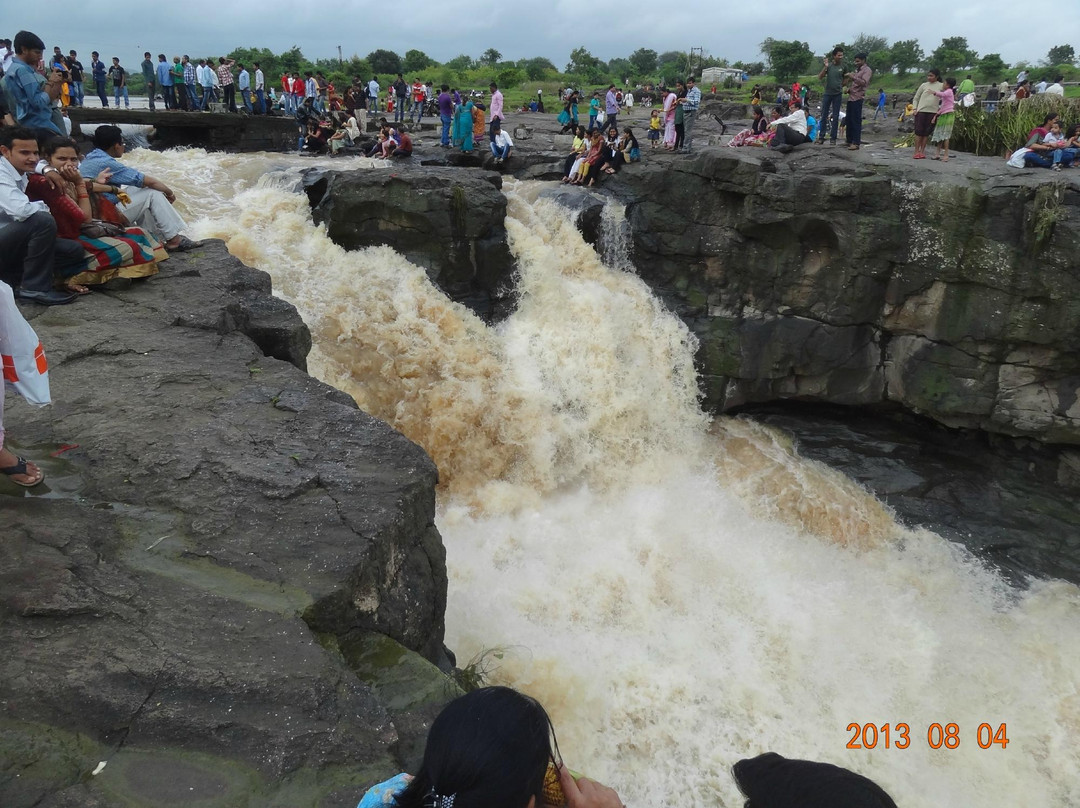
[[460, 63], [787, 60], [953, 54], [881, 61], [992, 67], [644, 61], [416, 61], [906, 54], [620, 69], [384, 61], [672, 64], [868, 43], [585, 65], [537, 68], [1061, 55], [491, 57]]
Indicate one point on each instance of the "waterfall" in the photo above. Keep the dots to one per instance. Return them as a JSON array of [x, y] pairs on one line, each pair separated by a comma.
[[679, 591]]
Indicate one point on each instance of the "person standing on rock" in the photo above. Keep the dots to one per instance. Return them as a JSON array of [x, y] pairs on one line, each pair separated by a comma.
[[611, 108], [858, 81], [401, 98], [925, 104], [228, 85], [690, 106], [165, 81], [833, 74], [97, 72], [149, 77], [446, 115], [373, 95], [496, 110]]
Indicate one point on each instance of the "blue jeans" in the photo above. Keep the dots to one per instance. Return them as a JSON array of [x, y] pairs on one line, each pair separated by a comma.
[[117, 91], [1066, 156], [445, 129], [245, 94], [208, 97], [400, 102], [104, 96], [290, 104], [854, 122], [417, 111], [1036, 159], [76, 93], [193, 97], [882, 111], [502, 153], [830, 114], [260, 102]]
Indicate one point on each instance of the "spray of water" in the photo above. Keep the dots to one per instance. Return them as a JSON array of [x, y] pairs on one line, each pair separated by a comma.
[[679, 594]]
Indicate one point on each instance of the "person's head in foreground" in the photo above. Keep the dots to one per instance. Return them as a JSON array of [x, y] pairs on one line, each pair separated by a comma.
[[772, 781]]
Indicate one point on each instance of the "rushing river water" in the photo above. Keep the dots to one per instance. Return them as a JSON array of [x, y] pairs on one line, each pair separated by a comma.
[[679, 592]]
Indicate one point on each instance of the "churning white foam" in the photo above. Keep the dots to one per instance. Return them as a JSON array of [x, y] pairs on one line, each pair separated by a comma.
[[679, 595]]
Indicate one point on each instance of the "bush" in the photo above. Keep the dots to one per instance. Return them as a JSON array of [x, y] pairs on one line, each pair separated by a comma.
[[1006, 129]]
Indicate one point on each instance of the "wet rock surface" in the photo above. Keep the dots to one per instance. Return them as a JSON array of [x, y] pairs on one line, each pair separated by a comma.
[[450, 222], [1011, 502], [215, 526]]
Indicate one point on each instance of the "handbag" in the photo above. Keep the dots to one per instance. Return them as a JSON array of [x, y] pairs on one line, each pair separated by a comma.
[[96, 228]]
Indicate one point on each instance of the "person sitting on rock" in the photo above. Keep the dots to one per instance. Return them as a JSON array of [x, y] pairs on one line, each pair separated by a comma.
[[30, 253], [501, 144], [405, 145], [790, 130], [491, 747], [149, 200]]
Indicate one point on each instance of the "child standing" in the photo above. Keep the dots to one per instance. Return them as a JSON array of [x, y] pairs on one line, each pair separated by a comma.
[[944, 121], [594, 111], [654, 128]]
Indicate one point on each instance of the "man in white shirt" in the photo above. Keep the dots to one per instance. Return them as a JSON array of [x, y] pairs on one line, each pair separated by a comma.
[[260, 90], [373, 95], [1040, 87], [6, 54], [30, 252], [501, 144], [790, 130], [1056, 88]]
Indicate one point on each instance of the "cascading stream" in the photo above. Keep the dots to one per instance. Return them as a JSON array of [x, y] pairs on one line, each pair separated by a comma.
[[679, 593]]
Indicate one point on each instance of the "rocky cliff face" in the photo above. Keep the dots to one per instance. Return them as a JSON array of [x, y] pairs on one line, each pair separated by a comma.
[[950, 290], [231, 590]]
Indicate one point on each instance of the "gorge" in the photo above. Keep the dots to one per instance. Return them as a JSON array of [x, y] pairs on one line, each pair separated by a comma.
[[679, 590]]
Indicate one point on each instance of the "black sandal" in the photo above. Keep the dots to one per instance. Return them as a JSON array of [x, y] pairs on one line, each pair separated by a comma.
[[20, 468]]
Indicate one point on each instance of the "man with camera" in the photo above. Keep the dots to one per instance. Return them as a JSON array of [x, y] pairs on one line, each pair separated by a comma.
[[32, 94]]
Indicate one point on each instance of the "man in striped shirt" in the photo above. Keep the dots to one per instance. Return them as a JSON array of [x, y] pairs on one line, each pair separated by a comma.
[[225, 79]]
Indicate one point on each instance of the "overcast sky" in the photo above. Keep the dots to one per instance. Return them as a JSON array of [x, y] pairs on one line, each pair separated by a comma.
[[550, 28]]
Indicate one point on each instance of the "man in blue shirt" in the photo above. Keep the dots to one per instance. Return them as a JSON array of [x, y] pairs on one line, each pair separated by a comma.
[[97, 70], [31, 95], [151, 200], [690, 111], [244, 83], [165, 81]]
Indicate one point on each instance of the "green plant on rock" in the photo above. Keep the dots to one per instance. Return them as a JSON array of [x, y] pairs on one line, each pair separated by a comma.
[[478, 671], [1046, 211]]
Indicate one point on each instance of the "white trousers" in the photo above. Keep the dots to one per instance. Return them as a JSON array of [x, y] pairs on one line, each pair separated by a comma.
[[150, 210]]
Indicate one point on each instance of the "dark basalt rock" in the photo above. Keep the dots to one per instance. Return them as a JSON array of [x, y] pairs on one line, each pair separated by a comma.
[[450, 222], [176, 597]]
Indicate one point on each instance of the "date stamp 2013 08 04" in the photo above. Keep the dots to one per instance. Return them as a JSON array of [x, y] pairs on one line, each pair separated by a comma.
[[938, 736]]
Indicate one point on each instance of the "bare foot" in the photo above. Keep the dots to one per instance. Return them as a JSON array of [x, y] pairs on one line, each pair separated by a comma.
[[77, 288]]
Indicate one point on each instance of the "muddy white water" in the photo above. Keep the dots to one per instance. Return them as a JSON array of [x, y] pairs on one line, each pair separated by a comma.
[[680, 592]]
